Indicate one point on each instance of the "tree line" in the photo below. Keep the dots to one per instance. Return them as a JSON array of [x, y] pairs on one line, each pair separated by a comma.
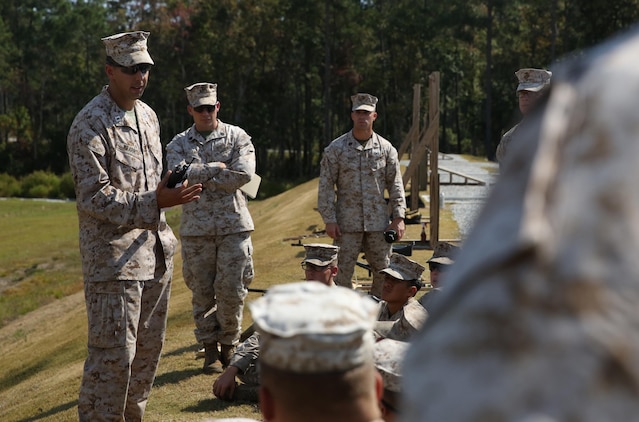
[[286, 69]]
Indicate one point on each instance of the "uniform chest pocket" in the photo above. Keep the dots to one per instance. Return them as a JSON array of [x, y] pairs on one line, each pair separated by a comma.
[[220, 150], [129, 159], [376, 161]]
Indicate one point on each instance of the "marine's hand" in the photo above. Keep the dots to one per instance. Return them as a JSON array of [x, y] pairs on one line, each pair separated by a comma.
[[224, 385], [333, 231], [398, 225], [168, 197]]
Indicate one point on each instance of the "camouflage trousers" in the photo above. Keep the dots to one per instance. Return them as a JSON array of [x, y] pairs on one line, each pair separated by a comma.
[[127, 324], [218, 270], [376, 250]]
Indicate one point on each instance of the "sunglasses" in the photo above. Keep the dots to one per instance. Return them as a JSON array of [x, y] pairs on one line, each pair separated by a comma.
[[208, 108], [132, 70]]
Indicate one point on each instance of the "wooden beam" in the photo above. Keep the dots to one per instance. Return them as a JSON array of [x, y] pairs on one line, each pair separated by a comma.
[[414, 186], [433, 140]]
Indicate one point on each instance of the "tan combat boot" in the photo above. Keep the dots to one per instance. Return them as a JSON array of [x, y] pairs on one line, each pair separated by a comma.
[[212, 363], [226, 354]]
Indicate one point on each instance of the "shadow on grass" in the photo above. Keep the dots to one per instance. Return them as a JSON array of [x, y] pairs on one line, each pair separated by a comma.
[[177, 352], [15, 378], [215, 404], [175, 377], [52, 412]]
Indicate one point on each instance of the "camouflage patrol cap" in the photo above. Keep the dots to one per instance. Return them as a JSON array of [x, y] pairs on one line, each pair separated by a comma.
[[364, 102], [128, 48], [444, 253], [389, 358], [311, 328], [202, 93], [320, 254], [403, 268], [532, 79]]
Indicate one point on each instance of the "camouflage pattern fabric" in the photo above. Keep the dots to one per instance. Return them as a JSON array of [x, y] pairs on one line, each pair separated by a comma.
[[312, 328], [429, 298], [376, 250], [218, 270], [127, 254], [404, 323], [128, 48], [353, 179], [127, 324], [215, 230], [115, 182], [389, 358], [538, 320], [504, 143], [222, 207], [245, 359]]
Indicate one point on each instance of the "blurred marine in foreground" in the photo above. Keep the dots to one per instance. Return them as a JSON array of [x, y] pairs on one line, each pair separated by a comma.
[[539, 319]]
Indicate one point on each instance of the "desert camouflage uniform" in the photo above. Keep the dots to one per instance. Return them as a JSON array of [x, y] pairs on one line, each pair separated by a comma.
[[127, 251], [245, 359], [316, 330], [504, 144], [430, 298], [389, 356], [403, 324], [215, 230], [538, 320], [353, 179]]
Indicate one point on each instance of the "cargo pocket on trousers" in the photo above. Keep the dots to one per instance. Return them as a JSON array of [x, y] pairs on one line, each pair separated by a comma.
[[249, 271], [107, 319]]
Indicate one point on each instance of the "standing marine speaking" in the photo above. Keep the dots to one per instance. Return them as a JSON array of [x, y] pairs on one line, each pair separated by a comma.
[[127, 247]]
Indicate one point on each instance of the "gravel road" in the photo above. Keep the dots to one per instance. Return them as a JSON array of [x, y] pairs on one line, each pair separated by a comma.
[[466, 201]]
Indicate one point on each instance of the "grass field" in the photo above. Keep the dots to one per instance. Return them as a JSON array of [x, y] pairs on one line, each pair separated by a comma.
[[43, 319]]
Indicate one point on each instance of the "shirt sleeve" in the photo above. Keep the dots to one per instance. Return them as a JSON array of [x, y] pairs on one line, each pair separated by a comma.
[[326, 189], [395, 183], [246, 353]]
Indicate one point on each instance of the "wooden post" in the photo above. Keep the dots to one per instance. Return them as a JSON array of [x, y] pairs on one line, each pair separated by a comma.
[[433, 141], [414, 184]]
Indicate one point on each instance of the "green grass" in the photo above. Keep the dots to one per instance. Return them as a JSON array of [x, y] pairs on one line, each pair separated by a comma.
[[43, 331], [39, 256]]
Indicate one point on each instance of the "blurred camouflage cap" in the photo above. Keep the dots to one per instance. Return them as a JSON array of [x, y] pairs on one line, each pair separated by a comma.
[[202, 93], [444, 253], [532, 79], [389, 356], [313, 328], [320, 254], [128, 48], [364, 102], [415, 316], [403, 268]]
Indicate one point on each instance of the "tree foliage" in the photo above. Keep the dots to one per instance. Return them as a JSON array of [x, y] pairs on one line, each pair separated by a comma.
[[286, 69]]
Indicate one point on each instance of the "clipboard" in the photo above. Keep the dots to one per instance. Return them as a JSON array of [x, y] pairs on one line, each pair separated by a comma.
[[252, 187]]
